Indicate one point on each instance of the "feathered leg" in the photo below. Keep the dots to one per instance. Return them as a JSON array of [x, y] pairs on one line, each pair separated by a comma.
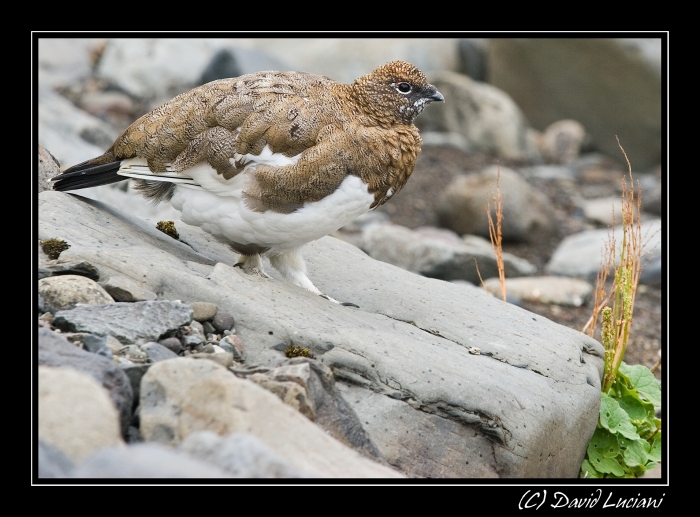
[[251, 265], [292, 267]]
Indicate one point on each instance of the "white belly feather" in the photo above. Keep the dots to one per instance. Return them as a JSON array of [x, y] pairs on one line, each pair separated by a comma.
[[217, 206]]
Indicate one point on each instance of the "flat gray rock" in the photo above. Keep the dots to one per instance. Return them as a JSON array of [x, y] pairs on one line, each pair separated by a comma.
[[580, 254], [130, 323], [526, 389], [55, 350]]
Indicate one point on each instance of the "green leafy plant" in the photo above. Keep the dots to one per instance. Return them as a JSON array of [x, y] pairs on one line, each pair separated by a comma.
[[627, 439]]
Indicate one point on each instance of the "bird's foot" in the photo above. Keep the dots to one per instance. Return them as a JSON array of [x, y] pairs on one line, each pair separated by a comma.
[[252, 265]]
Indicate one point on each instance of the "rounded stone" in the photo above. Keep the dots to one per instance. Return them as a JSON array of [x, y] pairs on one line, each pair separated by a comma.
[[204, 310], [76, 414], [171, 343], [64, 292], [222, 321]]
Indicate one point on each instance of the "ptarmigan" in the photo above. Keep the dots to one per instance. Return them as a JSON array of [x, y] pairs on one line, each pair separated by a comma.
[[269, 161]]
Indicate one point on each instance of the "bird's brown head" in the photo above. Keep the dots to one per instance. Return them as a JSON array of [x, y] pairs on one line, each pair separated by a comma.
[[395, 93]]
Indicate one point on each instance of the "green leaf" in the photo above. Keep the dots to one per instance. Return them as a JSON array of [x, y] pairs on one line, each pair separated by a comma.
[[616, 419], [603, 451], [641, 378], [655, 451], [635, 452], [635, 408], [609, 466], [588, 471]]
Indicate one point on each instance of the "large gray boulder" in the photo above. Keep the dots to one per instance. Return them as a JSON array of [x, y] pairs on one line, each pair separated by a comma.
[[448, 382], [610, 85]]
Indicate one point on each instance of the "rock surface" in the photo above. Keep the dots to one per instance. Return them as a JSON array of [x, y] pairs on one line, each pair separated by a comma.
[[182, 396], [68, 400], [56, 351], [613, 86], [525, 389], [527, 213]]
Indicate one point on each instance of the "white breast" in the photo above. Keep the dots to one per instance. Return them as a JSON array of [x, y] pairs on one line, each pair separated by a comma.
[[219, 209]]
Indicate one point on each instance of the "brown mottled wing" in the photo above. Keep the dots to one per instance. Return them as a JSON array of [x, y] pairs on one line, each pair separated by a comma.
[[219, 120]]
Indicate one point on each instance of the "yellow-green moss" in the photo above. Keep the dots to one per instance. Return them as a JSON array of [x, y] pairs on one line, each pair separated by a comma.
[[54, 247], [168, 228], [297, 351]]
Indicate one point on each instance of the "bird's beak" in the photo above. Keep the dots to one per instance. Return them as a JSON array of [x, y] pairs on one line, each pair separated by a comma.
[[437, 96]]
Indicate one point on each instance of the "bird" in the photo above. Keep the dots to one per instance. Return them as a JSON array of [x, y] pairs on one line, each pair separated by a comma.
[[269, 161]]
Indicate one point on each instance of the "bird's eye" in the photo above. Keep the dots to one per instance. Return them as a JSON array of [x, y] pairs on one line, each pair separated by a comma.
[[404, 87]]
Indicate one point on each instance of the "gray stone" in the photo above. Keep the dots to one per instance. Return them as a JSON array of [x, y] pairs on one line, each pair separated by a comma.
[[130, 323], [146, 460], [222, 321], [562, 140], [193, 340], [70, 134], [233, 345], [203, 310], [97, 345], [52, 462], [195, 327], [135, 373], [76, 414], [208, 328], [550, 289], [436, 256], [472, 53], [241, 455], [55, 350], [116, 107], [134, 354], [182, 396], [56, 267], [652, 198], [309, 387], [67, 291], [447, 139], [156, 69], [617, 84], [602, 210], [580, 255], [124, 289], [48, 168], [398, 429], [527, 213], [171, 343], [157, 352], [65, 61], [223, 358]]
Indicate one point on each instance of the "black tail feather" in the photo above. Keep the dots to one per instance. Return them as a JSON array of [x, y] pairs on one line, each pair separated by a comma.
[[85, 176]]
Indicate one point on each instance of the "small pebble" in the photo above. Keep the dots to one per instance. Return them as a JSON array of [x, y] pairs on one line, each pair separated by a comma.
[[222, 321], [204, 310]]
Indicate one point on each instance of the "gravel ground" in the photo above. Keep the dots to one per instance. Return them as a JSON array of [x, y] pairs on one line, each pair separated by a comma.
[[415, 206]]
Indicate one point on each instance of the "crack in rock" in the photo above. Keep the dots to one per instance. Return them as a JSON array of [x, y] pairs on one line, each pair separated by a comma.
[[491, 355]]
